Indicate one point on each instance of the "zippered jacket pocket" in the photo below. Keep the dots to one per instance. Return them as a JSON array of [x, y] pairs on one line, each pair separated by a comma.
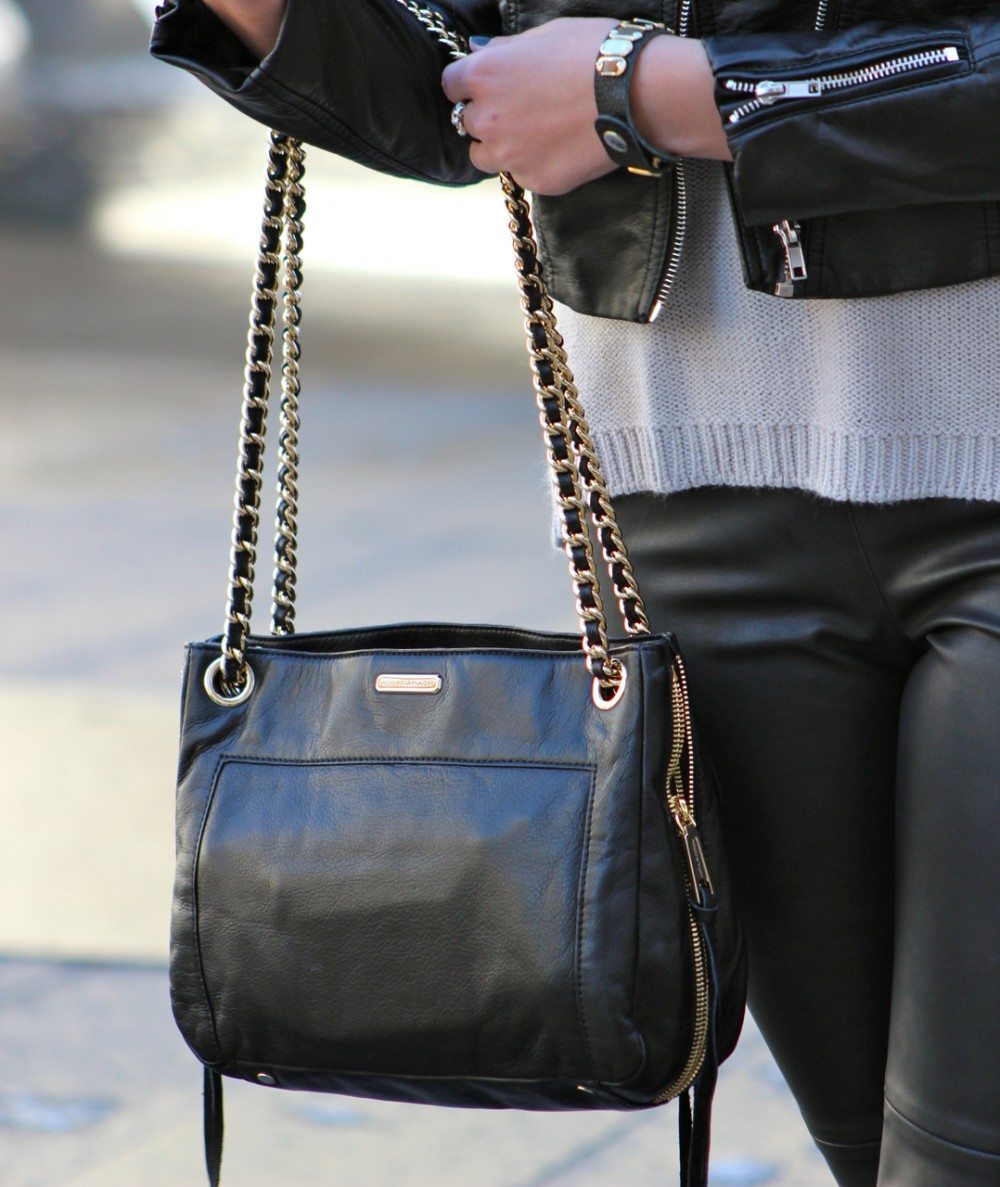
[[876, 116], [756, 96]]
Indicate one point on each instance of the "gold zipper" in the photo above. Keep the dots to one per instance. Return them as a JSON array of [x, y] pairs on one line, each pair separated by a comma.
[[681, 802]]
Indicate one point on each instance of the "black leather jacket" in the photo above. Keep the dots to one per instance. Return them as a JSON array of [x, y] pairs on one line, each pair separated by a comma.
[[883, 176]]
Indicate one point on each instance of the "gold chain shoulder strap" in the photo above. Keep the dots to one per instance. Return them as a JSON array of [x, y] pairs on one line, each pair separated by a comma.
[[599, 501], [576, 470]]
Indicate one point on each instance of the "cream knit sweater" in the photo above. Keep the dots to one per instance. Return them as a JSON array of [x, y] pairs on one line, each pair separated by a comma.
[[874, 399]]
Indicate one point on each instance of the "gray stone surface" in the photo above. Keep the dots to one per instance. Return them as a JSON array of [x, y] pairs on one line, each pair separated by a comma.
[[98, 1090]]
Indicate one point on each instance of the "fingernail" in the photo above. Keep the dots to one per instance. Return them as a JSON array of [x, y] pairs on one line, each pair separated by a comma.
[[479, 39]]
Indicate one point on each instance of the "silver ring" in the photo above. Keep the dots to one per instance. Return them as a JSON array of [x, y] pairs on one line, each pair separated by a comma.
[[212, 673], [457, 120]]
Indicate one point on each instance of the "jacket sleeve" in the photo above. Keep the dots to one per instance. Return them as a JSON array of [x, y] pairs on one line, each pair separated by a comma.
[[880, 115], [359, 80]]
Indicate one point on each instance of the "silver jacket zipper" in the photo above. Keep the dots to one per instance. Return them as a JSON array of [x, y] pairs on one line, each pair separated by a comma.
[[769, 91], [821, 11], [788, 231], [679, 201], [795, 260], [766, 93]]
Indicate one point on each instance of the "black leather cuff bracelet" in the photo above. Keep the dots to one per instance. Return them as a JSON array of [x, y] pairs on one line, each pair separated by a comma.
[[612, 83]]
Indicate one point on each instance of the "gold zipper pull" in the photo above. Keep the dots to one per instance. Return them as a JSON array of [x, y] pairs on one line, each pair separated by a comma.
[[694, 851]]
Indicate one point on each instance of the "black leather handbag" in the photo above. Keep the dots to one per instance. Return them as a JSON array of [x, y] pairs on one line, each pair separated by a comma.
[[460, 865]]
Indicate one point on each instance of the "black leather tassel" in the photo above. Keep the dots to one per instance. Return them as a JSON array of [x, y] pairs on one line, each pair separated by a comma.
[[213, 1126], [695, 1118], [701, 1125], [684, 1134]]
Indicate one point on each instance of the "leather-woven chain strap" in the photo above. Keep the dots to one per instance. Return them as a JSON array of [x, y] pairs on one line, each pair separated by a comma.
[[230, 679], [579, 482]]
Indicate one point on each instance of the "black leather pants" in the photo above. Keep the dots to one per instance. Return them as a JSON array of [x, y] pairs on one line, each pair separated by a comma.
[[844, 669]]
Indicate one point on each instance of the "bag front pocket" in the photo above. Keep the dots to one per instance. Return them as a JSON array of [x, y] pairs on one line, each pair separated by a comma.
[[416, 917]]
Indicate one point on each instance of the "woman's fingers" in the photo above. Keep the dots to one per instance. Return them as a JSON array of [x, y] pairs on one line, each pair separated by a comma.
[[459, 83], [476, 119], [469, 123], [483, 158], [460, 79], [483, 155], [479, 154], [530, 104], [453, 81]]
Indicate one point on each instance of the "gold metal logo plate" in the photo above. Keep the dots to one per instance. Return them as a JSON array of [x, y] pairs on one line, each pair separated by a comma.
[[408, 682]]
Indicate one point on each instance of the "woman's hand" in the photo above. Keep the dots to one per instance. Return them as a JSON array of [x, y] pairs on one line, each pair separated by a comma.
[[530, 102], [255, 22]]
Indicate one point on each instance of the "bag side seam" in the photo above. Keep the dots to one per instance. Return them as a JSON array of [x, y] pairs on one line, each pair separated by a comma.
[[581, 913], [195, 918], [637, 913]]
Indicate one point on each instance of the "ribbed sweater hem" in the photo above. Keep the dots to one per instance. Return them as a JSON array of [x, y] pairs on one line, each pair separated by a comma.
[[834, 464]]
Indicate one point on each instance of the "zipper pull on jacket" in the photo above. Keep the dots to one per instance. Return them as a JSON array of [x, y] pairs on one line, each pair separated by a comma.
[[795, 261]]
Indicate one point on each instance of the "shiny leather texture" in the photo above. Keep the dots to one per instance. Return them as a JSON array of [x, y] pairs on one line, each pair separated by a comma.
[[896, 182], [311, 84], [845, 661], [475, 897]]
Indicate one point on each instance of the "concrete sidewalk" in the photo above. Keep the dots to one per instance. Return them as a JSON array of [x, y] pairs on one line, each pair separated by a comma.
[[99, 1091]]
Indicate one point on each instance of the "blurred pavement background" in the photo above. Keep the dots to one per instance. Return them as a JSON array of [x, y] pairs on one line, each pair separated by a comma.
[[129, 205]]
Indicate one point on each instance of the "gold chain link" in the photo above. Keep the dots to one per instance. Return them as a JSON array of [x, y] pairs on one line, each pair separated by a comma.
[[581, 464], [602, 511], [253, 423], [562, 455], [286, 525], [450, 39], [580, 486]]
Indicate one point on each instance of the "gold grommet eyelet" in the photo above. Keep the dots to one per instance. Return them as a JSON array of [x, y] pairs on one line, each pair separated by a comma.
[[605, 703]]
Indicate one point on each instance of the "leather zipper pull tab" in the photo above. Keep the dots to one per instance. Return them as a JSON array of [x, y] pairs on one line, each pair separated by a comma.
[[694, 851]]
